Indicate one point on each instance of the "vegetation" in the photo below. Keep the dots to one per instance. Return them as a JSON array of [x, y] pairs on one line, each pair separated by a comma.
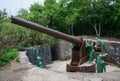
[[8, 56], [74, 17]]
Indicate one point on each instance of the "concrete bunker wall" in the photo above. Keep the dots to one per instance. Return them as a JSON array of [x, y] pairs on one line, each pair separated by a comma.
[[114, 52], [62, 51]]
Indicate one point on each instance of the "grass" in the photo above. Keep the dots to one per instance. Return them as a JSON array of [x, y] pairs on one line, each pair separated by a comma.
[[8, 56]]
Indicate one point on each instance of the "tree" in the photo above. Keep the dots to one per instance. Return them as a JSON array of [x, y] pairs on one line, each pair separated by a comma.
[[49, 12], [35, 15], [3, 14], [23, 13], [88, 16]]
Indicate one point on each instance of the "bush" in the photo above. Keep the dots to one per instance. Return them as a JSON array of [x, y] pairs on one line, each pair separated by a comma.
[[18, 37], [8, 56]]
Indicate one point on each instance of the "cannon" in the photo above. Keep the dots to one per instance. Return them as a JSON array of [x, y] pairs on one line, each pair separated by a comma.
[[79, 51]]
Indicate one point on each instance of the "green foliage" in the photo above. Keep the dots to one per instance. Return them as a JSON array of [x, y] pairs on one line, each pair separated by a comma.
[[23, 13], [16, 36], [8, 56]]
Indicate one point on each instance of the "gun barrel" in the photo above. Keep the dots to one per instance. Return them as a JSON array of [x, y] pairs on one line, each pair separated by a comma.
[[46, 30]]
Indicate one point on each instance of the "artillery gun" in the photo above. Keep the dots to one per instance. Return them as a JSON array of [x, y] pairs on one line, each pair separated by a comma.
[[79, 51]]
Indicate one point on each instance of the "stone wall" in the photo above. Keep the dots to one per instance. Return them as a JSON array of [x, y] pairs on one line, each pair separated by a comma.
[[58, 51], [114, 52], [44, 51], [61, 51]]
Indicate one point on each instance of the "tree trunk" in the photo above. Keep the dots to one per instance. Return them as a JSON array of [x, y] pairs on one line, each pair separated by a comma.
[[72, 29], [95, 28], [99, 29]]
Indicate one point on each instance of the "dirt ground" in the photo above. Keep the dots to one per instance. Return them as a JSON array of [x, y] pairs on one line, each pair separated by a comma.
[[55, 71]]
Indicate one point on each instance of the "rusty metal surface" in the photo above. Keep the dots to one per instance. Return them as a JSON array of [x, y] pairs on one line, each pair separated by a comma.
[[79, 57], [46, 30], [71, 68], [79, 54]]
